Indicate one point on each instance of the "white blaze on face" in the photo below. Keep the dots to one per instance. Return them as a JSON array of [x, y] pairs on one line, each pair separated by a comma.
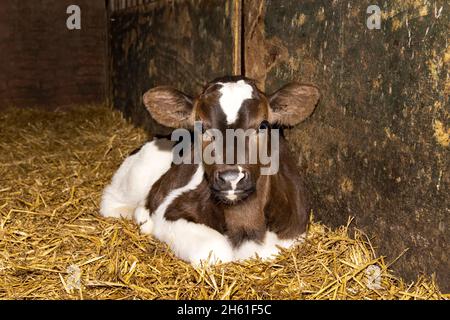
[[233, 95], [231, 196]]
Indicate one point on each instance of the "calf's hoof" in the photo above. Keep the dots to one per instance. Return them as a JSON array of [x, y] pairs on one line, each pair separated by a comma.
[[212, 252], [142, 218]]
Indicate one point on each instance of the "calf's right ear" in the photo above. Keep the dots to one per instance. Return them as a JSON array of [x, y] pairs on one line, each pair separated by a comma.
[[169, 107], [293, 103]]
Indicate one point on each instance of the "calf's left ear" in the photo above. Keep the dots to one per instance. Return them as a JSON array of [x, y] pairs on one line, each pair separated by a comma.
[[169, 107], [293, 103]]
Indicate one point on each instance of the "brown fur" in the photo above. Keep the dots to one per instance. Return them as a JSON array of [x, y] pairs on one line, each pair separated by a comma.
[[199, 207], [178, 115], [277, 203], [176, 177], [246, 220]]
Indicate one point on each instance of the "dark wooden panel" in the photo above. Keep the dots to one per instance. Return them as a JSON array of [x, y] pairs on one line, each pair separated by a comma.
[[377, 146], [178, 43], [44, 63]]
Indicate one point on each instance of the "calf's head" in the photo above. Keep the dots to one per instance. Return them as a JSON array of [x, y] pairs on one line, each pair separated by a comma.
[[236, 104]]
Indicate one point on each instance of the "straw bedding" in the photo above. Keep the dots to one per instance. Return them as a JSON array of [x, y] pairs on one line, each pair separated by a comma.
[[54, 245]]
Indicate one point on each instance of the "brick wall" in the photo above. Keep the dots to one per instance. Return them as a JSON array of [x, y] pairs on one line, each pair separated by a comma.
[[45, 64]]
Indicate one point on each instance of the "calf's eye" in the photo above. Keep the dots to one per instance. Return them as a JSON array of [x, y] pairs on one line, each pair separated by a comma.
[[264, 125]]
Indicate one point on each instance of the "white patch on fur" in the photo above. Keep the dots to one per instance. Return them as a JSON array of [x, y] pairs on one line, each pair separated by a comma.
[[133, 180], [143, 219], [141, 215], [238, 178], [147, 227], [231, 196], [192, 242], [265, 250], [233, 95]]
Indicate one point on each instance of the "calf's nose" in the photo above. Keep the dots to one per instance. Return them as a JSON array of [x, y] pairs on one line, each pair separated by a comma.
[[229, 179]]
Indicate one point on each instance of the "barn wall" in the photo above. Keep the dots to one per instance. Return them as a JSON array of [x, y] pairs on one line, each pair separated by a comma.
[[377, 147], [181, 43], [45, 64]]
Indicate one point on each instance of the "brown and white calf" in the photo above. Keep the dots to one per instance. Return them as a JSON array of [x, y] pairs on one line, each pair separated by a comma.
[[216, 212]]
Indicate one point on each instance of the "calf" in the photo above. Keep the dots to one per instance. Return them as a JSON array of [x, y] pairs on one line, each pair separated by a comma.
[[213, 211]]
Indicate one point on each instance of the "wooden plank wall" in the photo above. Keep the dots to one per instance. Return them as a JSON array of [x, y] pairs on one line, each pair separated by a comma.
[[377, 146], [181, 43], [43, 63], [116, 5]]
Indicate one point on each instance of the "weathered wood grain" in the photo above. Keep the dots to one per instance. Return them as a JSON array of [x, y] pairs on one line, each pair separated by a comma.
[[178, 43], [377, 147]]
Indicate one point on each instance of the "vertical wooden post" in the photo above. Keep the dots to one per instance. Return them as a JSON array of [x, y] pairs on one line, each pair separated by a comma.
[[109, 4], [237, 33]]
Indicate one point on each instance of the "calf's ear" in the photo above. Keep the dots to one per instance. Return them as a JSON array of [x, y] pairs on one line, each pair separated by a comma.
[[169, 107], [293, 103]]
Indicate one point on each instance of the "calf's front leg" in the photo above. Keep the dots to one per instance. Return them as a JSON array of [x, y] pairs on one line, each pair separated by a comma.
[[193, 242]]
